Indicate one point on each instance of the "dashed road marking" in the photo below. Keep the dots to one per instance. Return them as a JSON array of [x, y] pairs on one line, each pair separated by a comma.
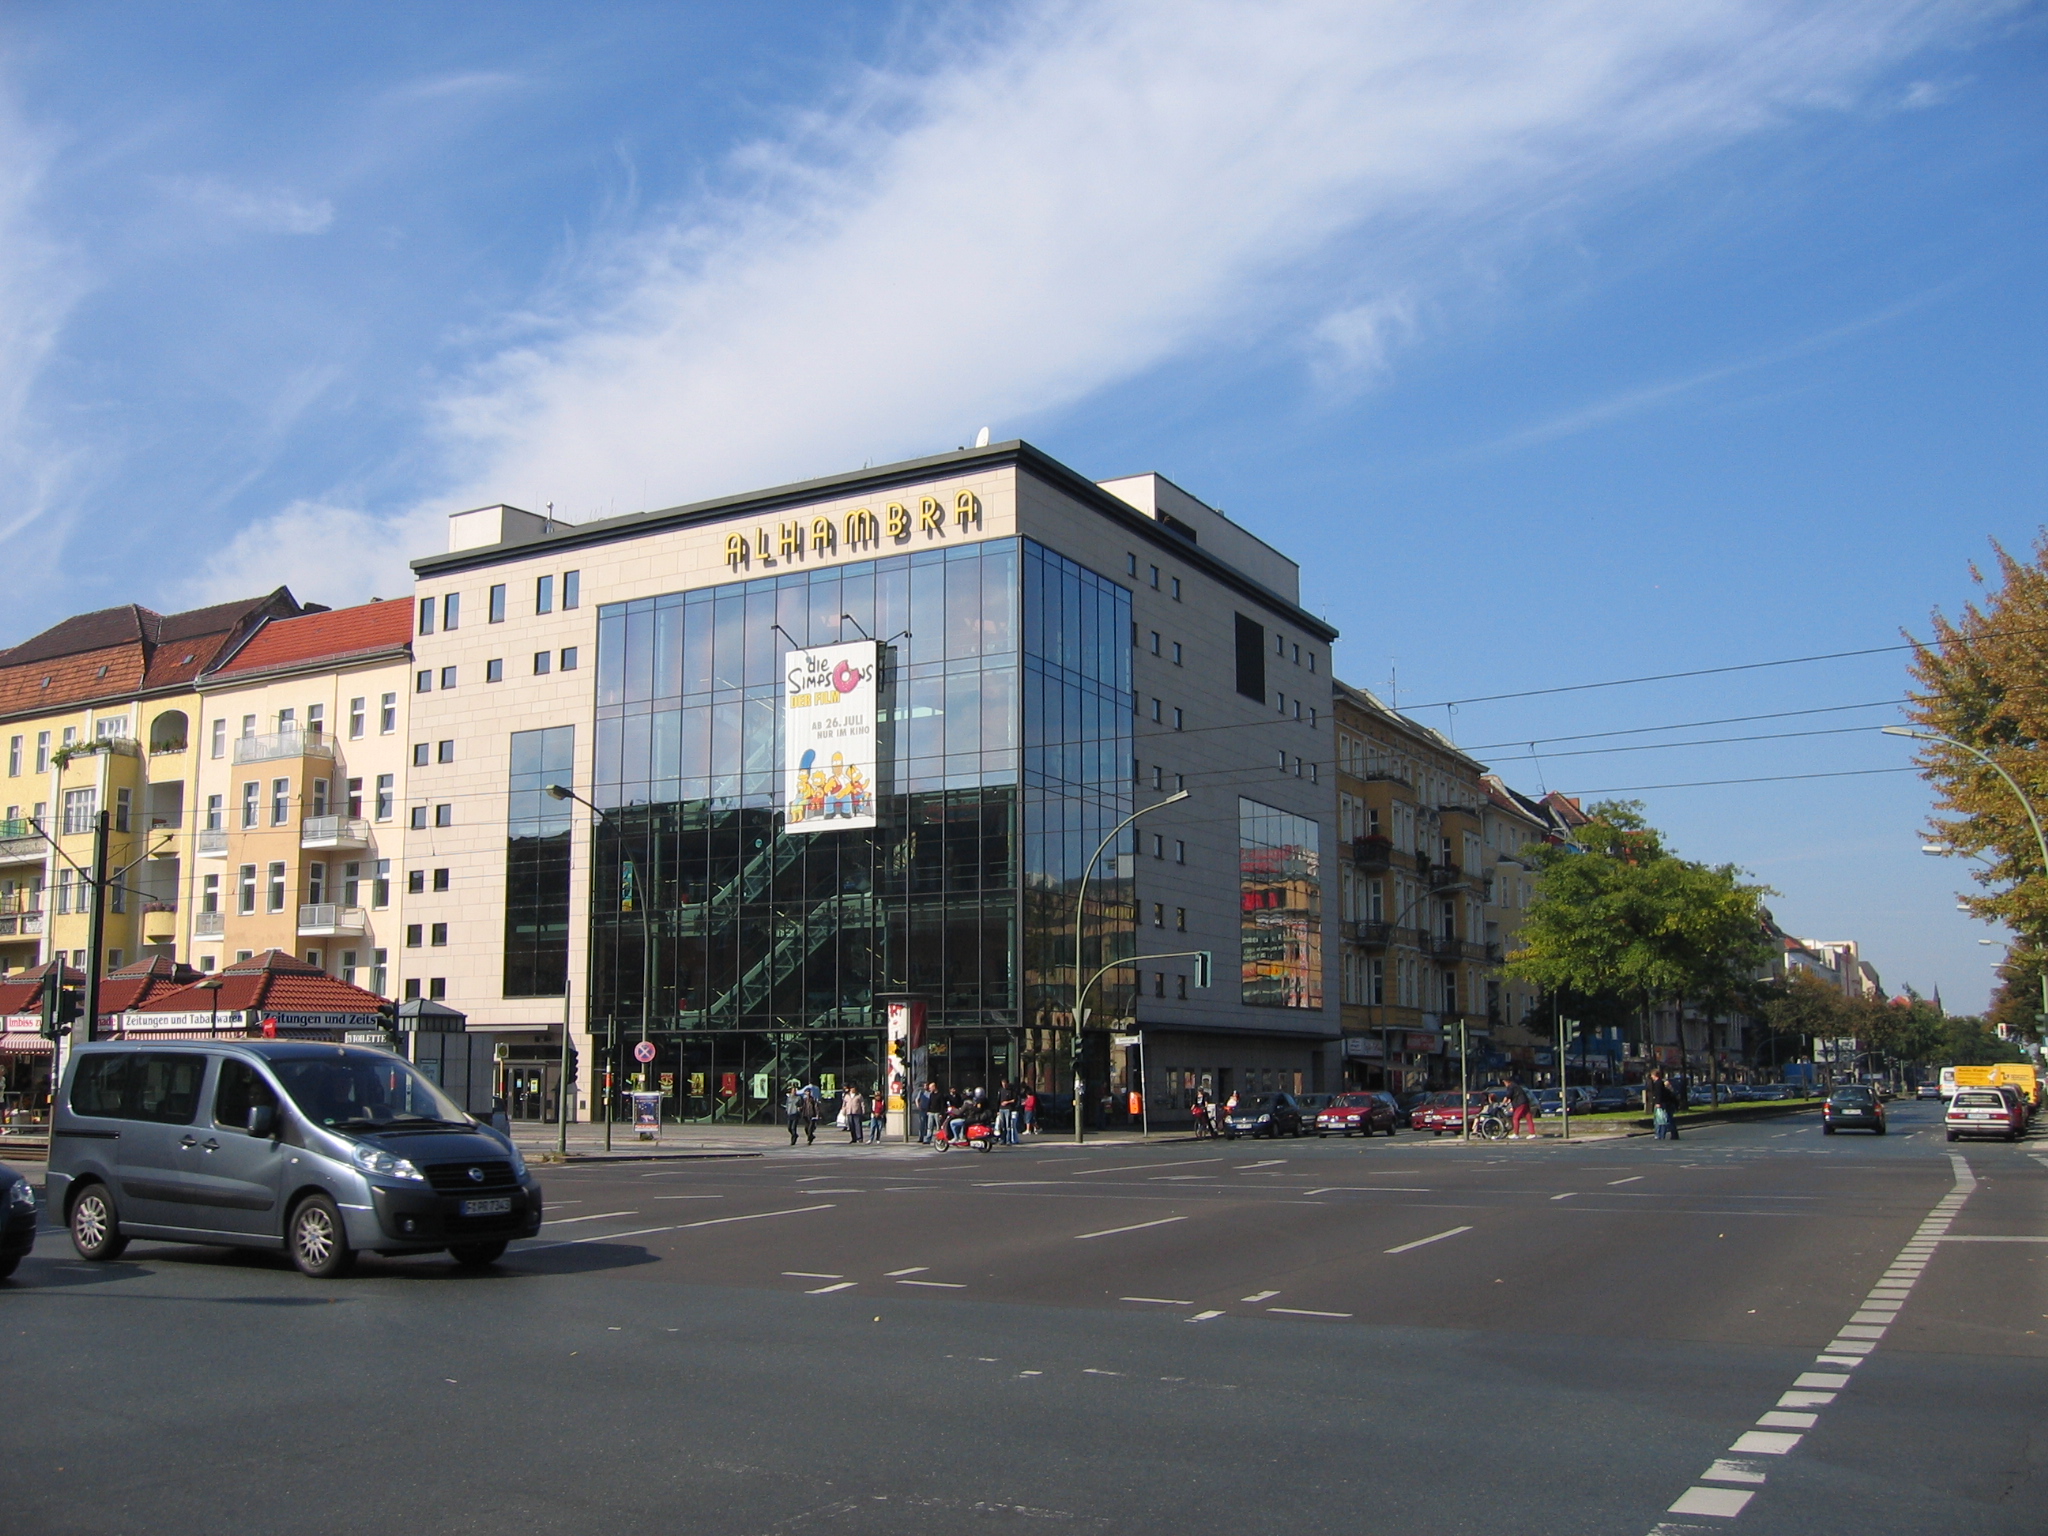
[[1203, 1317], [915, 1269], [937, 1285], [719, 1221], [1566, 1195], [1259, 1296], [807, 1274], [1724, 1502], [826, 1290], [1631, 1179], [1139, 1226], [1305, 1312], [1424, 1241], [563, 1221], [1156, 1301]]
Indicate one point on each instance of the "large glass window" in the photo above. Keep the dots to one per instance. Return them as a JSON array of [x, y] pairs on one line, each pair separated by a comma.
[[537, 864], [1281, 899]]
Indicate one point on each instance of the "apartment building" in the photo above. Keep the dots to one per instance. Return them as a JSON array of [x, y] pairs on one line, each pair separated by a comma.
[[1412, 877], [301, 765]]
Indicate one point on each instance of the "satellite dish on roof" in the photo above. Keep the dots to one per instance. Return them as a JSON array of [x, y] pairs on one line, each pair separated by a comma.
[[981, 438]]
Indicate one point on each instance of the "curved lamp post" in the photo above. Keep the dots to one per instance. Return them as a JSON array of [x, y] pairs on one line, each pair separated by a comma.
[[2018, 794], [1080, 991]]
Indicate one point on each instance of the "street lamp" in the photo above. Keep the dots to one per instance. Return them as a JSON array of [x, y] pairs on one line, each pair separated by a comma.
[[640, 894], [1081, 990], [2040, 841]]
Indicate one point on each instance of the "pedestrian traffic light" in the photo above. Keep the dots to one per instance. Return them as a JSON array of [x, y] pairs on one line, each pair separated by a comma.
[[1202, 969], [62, 1006]]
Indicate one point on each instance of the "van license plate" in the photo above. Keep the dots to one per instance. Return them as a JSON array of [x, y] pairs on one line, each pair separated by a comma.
[[502, 1206]]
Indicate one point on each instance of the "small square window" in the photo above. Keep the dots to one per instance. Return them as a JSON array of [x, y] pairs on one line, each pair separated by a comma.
[[440, 879], [444, 815], [1180, 919], [1155, 578], [415, 935], [437, 988], [1181, 988], [437, 935], [422, 754], [572, 590], [1158, 914], [494, 670], [1180, 718], [497, 613], [1176, 589], [568, 658], [444, 752], [415, 882], [543, 663], [1156, 709], [423, 682], [412, 988], [1155, 643], [419, 818], [1176, 653], [1180, 851], [1158, 846], [1132, 561], [447, 677], [426, 615]]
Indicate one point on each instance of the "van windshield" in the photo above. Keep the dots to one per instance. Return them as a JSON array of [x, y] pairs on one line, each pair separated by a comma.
[[364, 1090]]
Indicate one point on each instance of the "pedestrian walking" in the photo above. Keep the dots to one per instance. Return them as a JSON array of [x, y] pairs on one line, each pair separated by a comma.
[[1006, 1114], [1521, 1110], [851, 1109], [813, 1111], [927, 1111], [1661, 1101], [793, 1108], [1031, 1112]]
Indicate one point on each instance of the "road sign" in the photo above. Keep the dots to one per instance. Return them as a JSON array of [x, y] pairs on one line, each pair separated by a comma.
[[644, 1052]]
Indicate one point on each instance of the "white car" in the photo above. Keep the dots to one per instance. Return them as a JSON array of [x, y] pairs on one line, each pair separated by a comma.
[[1984, 1112]]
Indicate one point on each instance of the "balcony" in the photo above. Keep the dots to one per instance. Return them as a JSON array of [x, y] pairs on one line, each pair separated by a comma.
[[20, 840], [327, 921], [213, 844], [209, 925], [1445, 947], [159, 920], [1372, 852], [1373, 935], [334, 832], [1459, 810], [1444, 876], [21, 925], [282, 744]]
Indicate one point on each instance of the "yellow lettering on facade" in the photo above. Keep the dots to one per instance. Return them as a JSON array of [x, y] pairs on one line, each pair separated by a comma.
[[789, 539], [860, 527], [899, 520], [966, 508], [931, 517], [761, 535], [821, 535], [735, 550]]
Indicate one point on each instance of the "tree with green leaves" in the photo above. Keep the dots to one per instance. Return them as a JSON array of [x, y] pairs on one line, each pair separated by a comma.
[[1617, 915]]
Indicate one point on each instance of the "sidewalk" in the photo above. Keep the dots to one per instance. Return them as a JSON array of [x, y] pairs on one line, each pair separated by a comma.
[[586, 1142]]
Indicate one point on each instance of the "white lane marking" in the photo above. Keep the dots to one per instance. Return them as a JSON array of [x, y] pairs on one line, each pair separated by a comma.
[[1081, 1237], [1305, 1312], [719, 1221], [937, 1285], [1947, 1239], [826, 1290], [1566, 1195], [689, 1197], [1725, 1471], [1805, 1399], [1258, 1296], [1843, 1346], [1724, 1502], [1775, 1420], [1185, 1162], [1269, 1162], [1759, 1442], [1850, 1360], [1377, 1189], [1631, 1179], [1089, 1370], [1423, 1241], [915, 1269], [1203, 1317], [563, 1221], [613, 1237], [808, 1274], [1825, 1380], [1157, 1301]]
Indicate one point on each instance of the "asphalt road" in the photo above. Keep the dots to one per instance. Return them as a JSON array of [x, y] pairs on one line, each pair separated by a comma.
[[1388, 1336]]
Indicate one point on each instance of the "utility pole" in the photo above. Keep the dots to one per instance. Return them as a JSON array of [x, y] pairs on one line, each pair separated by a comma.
[[96, 927]]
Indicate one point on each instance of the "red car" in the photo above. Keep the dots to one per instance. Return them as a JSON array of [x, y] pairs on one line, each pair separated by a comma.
[[1441, 1112], [1356, 1113]]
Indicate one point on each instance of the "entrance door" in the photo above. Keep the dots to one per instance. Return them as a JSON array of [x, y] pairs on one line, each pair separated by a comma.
[[159, 1152], [531, 1092], [236, 1185]]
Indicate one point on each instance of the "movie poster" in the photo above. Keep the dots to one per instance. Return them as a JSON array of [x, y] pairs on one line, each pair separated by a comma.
[[828, 731]]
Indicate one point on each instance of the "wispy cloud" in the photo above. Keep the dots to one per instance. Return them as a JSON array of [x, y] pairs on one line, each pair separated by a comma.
[[269, 211], [1077, 193]]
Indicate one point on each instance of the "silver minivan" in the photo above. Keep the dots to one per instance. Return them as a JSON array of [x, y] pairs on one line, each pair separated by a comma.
[[323, 1151]]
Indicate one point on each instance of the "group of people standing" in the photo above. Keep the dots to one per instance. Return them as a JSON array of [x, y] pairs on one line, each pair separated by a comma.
[[1011, 1111], [861, 1115]]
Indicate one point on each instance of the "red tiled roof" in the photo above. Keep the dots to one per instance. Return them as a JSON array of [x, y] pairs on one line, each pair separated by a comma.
[[272, 980], [22, 991], [335, 636], [135, 984]]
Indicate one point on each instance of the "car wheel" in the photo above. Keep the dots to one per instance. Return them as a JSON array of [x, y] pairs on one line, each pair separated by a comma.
[[96, 1225], [1827, 1130], [7, 1265], [1951, 1135], [1880, 1130], [318, 1241], [476, 1255]]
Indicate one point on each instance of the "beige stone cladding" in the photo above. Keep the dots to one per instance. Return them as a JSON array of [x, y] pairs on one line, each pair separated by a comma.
[[613, 561]]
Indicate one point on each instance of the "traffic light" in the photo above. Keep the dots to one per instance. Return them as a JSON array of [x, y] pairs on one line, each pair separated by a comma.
[[387, 1015], [62, 1006], [1203, 967]]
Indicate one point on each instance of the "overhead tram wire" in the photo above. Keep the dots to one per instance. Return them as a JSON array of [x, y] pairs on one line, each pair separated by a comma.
[[1775, 778], [1685, 725]]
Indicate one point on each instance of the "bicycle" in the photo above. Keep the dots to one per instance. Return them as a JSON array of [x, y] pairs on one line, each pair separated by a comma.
[[1493, 1123]]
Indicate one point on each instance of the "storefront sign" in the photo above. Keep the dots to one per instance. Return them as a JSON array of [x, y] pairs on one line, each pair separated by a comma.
[[1366, 1046], [236, 1019], [828, 730], [863, 530], [1424, 1045]]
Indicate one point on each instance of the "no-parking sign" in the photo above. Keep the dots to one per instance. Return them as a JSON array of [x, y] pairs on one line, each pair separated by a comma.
[[644, 1052]]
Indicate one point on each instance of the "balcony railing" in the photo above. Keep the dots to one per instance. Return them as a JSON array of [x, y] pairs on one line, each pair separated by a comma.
[[208, 925], [20, 840], [334, 832], [213, 843], [327, 918], [20, 924], [282, 744], [1445, 948], [1443, 876], [1372, 852]]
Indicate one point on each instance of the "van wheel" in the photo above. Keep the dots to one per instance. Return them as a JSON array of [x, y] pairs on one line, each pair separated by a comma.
[[319, 1242], [96, 1225], [476, 1255]]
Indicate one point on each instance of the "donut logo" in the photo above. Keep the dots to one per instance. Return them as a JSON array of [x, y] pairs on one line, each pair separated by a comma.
[[845, 677]]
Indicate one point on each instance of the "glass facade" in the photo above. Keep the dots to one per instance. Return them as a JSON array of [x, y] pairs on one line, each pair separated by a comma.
[[537, 864], [1280, 890], [1003, 704]]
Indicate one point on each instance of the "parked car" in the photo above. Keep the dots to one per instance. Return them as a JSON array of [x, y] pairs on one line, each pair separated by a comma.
[[17, 1219], [1411, 1101], [1855, 1108], [1264, 1114], [1770, 1092], [2020, 1103], [1616, 1097], [1983, 1112], [1359, 1114], [1928, 1091], [1549, 1101], [1311, 1106], [319, 1151]]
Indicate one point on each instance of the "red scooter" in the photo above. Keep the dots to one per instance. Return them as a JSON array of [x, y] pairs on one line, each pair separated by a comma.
[[976, 1135]]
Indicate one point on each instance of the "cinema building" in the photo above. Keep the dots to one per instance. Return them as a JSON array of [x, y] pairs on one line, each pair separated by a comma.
[[854, 741]]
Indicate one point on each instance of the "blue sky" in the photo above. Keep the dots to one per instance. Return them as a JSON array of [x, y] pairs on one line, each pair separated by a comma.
[[1561, 343]]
